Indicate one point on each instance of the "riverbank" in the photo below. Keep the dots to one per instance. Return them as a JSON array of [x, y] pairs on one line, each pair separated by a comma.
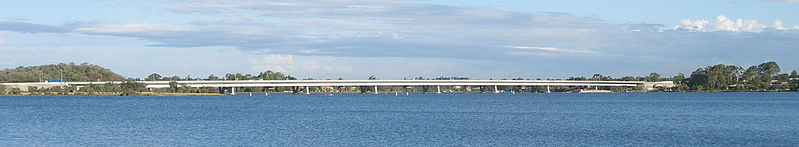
[[115, 94], [153, 94]]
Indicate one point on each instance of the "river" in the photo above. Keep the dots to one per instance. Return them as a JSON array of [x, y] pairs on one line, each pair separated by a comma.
[[528, 119]]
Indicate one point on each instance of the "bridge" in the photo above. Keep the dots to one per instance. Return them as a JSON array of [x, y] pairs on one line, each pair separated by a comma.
[[232, 84]]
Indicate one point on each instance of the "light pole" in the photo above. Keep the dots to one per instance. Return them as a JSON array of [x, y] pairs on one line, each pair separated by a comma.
[[61, 72]]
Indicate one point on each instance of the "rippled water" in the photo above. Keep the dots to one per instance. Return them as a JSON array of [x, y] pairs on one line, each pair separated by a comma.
[[750, 119]]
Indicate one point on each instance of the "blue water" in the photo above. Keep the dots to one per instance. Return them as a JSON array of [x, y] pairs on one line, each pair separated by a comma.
[[662, 119]]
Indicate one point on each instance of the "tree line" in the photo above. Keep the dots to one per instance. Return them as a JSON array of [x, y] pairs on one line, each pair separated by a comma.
[[267, 75], [763, 77]]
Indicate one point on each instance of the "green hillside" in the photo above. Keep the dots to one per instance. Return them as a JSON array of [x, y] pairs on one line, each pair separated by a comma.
[[71, 72]]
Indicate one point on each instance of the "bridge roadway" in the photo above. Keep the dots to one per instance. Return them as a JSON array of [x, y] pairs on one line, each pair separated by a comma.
[[313, 83]]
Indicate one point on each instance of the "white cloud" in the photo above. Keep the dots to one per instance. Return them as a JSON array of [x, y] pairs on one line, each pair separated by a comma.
[[778, 25], [314, 67], [285, 63], [133, 28], [722, 23], [274, 59], [551, 49], [276, 68], [533, 47]]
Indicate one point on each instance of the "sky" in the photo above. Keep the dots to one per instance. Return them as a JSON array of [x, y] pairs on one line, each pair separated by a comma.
[[396, 39]]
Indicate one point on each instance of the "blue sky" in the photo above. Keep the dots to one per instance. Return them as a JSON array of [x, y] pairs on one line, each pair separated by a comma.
[[395, 39]]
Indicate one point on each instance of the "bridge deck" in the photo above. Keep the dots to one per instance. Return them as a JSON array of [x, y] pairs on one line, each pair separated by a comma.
[[279, 83]]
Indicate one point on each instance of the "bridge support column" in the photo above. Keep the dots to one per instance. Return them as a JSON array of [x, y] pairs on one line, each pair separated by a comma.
[[307, 90], [438, 89], [496, 89], [468, 89], [232, 90], [407, 89], [376, 92], [548, 90], [482, 89]]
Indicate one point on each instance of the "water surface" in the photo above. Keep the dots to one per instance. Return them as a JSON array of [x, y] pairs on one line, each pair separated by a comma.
[[695, 119]]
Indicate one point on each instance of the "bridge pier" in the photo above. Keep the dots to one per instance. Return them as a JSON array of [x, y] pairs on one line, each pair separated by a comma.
[[438, 89], [307, 90], [376, 92], [548, 90], [232, 90], [496, 89], [468, 89]]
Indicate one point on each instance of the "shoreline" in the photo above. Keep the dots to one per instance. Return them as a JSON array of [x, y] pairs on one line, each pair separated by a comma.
[[382, 93]]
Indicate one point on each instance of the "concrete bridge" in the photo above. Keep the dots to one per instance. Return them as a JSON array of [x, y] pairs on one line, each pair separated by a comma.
[[347, 83]]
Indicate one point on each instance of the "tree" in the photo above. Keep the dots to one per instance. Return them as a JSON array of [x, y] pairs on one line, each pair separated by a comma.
[[679, 78], [577, 79], [698, 79], [653, 77], [769, 68], [629, 78], [767, 73], [794, 80], [175, 78], [717, 77], [2, 90], [751, 78], [173, 86], [131, 88], [14, 91], [213, 77], [600, 77], [372, 77], [154, 77]]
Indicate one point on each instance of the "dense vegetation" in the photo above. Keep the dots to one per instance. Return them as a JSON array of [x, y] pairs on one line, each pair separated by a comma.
[[70, 72], [763, 77]]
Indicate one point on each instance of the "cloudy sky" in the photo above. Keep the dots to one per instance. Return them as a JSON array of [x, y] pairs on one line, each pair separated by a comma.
[[393, 39]]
